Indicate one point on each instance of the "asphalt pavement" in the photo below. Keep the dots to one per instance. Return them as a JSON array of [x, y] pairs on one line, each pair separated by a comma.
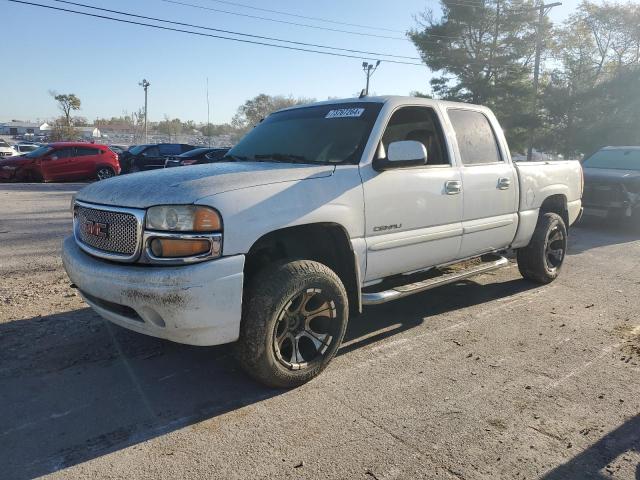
[[491, 378]]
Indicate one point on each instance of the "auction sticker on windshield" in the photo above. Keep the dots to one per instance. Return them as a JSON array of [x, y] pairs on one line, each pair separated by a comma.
[[345, 113]]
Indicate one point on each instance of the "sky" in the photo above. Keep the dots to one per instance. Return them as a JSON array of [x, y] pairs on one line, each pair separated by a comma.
[[102, 61]]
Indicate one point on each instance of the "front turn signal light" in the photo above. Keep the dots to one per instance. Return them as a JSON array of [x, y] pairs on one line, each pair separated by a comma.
[[177, 248]]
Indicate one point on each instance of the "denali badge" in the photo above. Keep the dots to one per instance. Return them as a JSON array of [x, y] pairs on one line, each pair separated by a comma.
[[382, 228], [96, 229]]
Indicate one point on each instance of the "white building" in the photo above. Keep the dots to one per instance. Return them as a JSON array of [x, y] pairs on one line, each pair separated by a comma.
[[88, 133], [23, 128]]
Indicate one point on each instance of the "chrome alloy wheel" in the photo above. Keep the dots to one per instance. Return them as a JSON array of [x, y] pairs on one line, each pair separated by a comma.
[[555, 248], [305, 329]]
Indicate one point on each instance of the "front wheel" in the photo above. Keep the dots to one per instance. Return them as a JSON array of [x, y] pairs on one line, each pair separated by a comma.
[[293, 321], [542, 259]]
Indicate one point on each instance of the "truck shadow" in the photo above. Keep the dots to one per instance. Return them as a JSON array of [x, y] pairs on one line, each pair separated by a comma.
[[74, 387], [593, 233], [596, 462]]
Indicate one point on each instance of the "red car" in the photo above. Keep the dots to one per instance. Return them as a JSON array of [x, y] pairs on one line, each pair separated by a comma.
[[61, 162]]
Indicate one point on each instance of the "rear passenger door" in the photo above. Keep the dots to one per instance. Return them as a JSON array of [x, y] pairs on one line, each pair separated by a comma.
[[489, 183], [86, 160]]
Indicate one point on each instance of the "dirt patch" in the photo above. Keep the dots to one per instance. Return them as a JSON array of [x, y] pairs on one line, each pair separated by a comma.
[[631, 346]]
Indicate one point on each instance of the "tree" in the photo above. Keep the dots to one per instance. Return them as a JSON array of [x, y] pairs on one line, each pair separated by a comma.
[[61, 131], [170, 127], [254, 110], [597, 50], [66, 103], [483, 54]]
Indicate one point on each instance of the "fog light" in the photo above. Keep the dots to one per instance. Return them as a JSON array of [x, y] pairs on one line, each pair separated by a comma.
[[175, 248]]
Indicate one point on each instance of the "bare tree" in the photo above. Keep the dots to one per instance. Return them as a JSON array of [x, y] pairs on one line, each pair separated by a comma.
[[66, 103]]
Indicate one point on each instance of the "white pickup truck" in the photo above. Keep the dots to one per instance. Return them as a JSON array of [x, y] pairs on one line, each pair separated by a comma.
[[319, 210]]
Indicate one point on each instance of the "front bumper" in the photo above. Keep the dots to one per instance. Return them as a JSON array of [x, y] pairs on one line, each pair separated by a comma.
[[198, 304]]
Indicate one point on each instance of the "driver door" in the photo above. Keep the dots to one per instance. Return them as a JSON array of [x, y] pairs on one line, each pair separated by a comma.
[[57, 164], [413, 216]]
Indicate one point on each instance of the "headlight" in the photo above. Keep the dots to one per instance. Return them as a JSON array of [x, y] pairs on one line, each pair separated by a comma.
[[182, 234], [183, 218]]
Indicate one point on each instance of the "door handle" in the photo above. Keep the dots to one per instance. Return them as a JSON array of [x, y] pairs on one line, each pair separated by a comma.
[[452, 187], [504, 183]]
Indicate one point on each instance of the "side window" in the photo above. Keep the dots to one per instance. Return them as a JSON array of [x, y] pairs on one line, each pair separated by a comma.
[[476, 140], [216, 154], [63, 153], [84, 151], [151, 152], [420, 124], [169, 149]]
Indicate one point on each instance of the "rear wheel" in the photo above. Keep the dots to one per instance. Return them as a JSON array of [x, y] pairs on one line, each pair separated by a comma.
[[542, 259], [105, 172], [293, 322]]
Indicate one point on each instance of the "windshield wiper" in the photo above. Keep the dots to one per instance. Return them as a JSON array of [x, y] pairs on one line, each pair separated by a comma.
[[283, 157]]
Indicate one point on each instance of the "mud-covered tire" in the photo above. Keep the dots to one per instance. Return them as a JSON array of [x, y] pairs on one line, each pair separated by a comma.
[[542, 260], [270, 303]]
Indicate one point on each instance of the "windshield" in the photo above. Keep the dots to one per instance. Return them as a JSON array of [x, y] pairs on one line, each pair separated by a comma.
[[40, 151], [616, 159], [335, 133], [3, 144], [138, 149], [194, 153]]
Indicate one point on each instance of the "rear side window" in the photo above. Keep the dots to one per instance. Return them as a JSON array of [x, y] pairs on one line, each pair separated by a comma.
[[476, 140], [84, 151], [170, 149]]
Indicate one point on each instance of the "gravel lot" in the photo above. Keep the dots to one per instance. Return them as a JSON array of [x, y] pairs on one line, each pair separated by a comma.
[[489, 378]]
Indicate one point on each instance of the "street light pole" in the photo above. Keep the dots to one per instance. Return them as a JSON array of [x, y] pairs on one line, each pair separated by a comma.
[[368, 68], [542, 11], [145, 84]]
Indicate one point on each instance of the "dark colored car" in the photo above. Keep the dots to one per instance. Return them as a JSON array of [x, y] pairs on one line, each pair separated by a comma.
[[63, 161], [196, 156], [150, 156], [612, 183], [118, 149]]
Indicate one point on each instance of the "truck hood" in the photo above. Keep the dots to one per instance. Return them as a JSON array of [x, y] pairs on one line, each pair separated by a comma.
[[184, 185]]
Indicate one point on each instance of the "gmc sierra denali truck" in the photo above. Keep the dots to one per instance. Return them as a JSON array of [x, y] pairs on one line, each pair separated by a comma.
[[319, 210]]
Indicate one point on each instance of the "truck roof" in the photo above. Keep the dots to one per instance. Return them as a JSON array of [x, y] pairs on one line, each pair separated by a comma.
[[396, 100]]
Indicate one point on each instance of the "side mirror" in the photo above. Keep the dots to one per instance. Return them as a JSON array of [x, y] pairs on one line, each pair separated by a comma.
[[402, 154], [52, 157]]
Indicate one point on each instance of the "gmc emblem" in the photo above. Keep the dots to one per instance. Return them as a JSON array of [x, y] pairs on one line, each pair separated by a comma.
[[96, 229]]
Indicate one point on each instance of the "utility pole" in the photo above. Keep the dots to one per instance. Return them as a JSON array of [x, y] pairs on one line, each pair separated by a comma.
[[543, 9], [145, 84], [208, 121], [368, 68]]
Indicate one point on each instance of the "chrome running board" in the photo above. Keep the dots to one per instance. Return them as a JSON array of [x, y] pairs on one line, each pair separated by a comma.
[[402, 291]]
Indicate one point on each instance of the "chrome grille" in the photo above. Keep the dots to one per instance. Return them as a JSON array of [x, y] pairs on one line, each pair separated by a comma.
[[122, 232]]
